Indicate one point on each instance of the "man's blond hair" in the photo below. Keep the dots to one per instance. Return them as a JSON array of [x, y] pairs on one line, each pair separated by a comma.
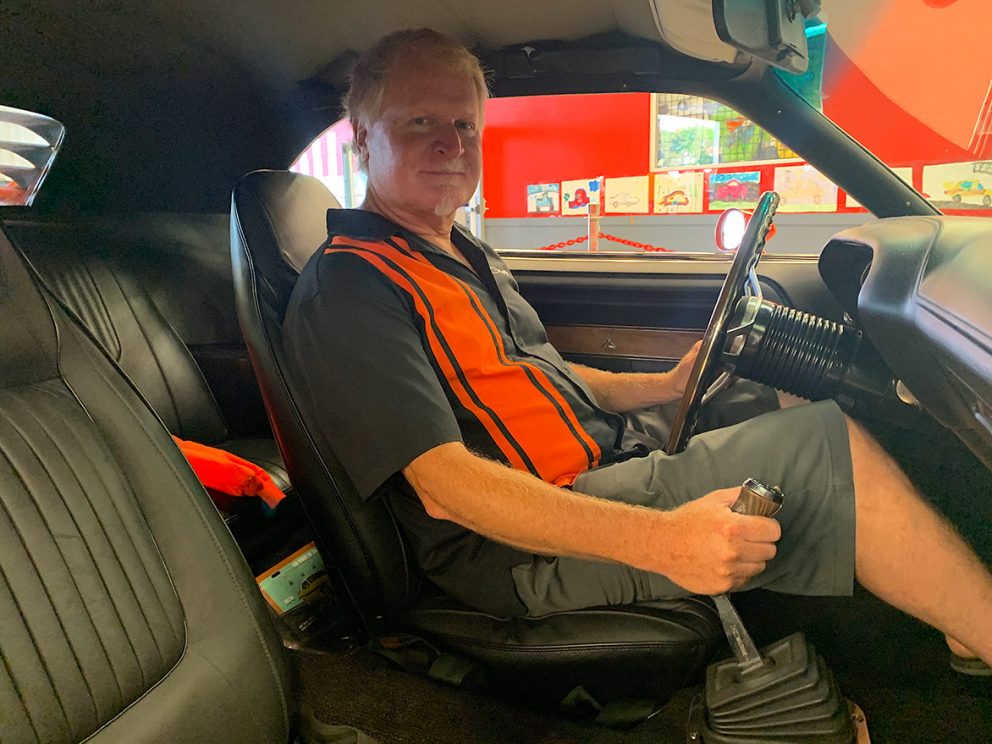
[[371, 71]]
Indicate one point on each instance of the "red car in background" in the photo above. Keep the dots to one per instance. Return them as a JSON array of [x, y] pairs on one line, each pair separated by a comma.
[[732, 190]]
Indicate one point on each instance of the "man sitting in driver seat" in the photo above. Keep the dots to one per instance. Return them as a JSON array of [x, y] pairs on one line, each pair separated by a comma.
[[529, 490]]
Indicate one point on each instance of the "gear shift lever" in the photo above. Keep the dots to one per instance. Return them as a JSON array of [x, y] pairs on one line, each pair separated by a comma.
[[785, 692], [757, 499]]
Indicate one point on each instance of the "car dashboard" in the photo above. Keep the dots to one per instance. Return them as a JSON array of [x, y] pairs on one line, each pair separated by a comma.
[[921, 290]]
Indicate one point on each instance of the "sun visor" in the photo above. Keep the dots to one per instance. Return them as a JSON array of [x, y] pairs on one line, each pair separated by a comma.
[[28, 146], [688, 27]]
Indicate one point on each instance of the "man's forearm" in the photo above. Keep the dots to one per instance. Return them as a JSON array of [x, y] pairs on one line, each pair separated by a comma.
[[702, 545], [518, 509], [627, 391]]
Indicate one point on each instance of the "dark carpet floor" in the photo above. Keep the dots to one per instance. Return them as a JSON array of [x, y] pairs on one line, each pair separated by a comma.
[[893, 667]]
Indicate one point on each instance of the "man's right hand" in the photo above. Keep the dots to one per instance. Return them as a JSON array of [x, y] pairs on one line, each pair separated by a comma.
[[712, 550]]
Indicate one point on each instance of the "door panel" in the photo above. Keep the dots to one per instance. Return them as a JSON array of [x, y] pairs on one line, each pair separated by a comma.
[[629, 313], [618, 348]]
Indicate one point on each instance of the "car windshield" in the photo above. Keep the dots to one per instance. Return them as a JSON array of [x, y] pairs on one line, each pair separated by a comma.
[[650, 173], [912, 82]]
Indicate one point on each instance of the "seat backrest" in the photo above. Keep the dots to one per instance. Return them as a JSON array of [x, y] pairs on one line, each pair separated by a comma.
[[126, 611], [278, 220], [121, 316]]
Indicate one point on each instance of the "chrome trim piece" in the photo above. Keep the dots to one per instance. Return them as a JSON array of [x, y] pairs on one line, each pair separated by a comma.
[[601, 263], [719, 384]]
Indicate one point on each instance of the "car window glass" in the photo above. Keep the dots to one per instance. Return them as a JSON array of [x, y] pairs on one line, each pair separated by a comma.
[[877, 71], [331, 158], [654, 171]]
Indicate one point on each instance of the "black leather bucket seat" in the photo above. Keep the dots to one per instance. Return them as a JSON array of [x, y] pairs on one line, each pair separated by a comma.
[[104, 294], [127, 613], [649, 649]]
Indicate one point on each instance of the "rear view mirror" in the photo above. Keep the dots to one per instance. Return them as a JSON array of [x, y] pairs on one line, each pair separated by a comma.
[[772, 30], [28, 145]]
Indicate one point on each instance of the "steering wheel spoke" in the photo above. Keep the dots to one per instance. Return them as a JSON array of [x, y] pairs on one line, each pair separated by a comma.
[[753, 288], [719, 384]]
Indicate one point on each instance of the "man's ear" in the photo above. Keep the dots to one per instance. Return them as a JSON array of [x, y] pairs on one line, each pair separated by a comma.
[[361, 133]]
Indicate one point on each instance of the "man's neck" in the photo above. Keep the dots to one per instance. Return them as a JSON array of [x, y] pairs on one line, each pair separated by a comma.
[[435, 229]]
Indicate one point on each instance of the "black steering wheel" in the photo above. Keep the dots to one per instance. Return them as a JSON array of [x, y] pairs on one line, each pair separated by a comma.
[[704, 370]]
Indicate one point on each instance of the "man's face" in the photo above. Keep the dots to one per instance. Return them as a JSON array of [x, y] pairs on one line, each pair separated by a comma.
[[424, 149]]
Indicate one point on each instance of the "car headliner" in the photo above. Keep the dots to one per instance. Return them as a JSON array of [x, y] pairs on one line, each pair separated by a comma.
[[168, 102]]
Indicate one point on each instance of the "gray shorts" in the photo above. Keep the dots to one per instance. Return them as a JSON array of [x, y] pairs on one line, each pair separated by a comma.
[[804, 450]]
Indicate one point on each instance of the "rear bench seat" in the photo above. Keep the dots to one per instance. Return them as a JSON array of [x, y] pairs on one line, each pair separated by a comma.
[[114, 306]]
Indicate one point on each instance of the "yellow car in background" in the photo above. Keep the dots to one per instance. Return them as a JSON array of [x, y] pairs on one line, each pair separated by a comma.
[[960, 190]]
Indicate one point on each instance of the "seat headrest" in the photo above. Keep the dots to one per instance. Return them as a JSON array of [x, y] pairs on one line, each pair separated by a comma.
[[279, 218], [28, 343], [293, 207]]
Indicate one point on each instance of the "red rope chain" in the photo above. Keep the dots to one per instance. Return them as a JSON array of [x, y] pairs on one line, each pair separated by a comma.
[[646, 247]]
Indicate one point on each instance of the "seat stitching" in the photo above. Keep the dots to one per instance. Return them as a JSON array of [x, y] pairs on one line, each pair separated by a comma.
[[155, 357], [134, 548], [100, 300], [33, 275], [202, 516], [83, 288], [44, 586], [10, 674], [99, 572]]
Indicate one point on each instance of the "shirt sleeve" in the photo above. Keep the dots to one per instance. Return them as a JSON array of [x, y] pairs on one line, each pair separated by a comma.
[[357, 361]]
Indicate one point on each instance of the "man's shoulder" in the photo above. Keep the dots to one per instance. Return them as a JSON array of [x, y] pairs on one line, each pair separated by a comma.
[[344, 226], [336, 267]]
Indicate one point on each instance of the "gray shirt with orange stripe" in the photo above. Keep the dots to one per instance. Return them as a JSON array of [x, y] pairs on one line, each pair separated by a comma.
[[399, 347]]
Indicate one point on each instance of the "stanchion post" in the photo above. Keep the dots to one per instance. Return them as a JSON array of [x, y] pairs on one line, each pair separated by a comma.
[[593, 226]]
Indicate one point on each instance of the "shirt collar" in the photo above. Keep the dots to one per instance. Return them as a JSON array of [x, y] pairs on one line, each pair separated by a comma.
[[365, 225], [359, 223]]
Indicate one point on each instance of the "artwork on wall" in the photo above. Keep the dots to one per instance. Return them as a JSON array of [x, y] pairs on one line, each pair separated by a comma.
[[681, 141], [804, 189], [739, 190], [959, 185], [577, 195], [544, 198], [689, 130], [630, 195], [678, 191]]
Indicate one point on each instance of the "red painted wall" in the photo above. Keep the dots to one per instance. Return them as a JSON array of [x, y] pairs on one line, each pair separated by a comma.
[[544, 139]]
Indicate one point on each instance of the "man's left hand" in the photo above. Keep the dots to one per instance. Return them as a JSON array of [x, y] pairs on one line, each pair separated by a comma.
[[678, 376]]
